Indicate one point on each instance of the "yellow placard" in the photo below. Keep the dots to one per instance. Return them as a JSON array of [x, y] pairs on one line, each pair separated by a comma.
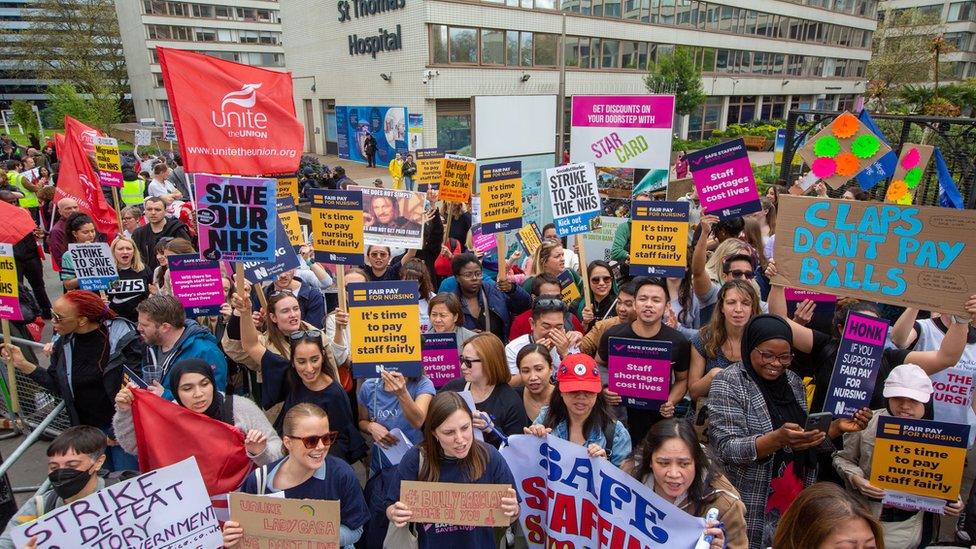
[[919, 457], [659, 238], [337, 226], [528, 236], [288, 187], [457, 179], [569, 291], [501, 197], [384, 327], [9, 291], [430, 167], [288, 215]]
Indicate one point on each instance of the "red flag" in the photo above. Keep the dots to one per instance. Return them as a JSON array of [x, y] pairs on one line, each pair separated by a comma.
[[231, 118], [86, 134], [17, 223], [77, 178], [167, 433]]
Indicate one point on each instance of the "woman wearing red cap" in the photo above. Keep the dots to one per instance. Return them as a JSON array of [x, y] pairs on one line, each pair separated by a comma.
[[578, 412]]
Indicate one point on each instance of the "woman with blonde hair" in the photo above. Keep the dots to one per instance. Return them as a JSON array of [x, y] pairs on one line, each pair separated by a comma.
[[133, 284], [486, 377]]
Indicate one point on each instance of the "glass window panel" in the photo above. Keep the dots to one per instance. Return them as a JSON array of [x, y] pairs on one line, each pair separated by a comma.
[[611, 8], [642, 56], [545, 4], [438, 43], [584, 52], [545, 49], [525, 51], [571, 51], [667, 12], [594, 53], [464, 45], [708, 59], [628, 55], [611, 54], [511, 48], [492, 47], [597, 7]]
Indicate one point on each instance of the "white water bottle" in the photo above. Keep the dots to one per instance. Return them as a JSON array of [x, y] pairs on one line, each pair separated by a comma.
[[705, 541]]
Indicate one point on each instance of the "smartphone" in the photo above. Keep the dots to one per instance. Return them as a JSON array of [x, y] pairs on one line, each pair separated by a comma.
[[819, 421]]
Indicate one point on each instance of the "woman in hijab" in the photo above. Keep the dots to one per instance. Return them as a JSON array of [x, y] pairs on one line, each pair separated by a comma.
[[758, 412], [194, 388]]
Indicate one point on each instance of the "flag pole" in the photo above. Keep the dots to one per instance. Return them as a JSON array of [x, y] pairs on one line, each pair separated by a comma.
[[583, 270], [118, 207], [11, 371]]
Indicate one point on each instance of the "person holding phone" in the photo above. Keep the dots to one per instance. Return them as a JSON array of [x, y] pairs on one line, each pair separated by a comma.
[[757, 410], [908, 391]]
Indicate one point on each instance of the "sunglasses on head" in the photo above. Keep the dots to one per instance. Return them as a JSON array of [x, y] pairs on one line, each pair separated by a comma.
[[305, 334], [550, 304], [312, 442]]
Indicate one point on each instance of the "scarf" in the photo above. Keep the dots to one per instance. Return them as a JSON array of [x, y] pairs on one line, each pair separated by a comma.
[[198, 366]]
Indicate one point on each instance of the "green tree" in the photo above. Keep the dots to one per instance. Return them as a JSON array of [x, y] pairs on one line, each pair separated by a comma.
[[24, 116], [64, 99], [74, 41], [677, 73], [902, 54]]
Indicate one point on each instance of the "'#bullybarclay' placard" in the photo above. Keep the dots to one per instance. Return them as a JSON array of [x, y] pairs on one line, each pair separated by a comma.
[[659, 238], [9, 291], [455, 503], [724, 179], [910, 256], [337, 226], [457, 179], [640, 371], [859, 357], [236, 217], [440, 356], [271, 522], [575, 198], [501, 197], [570, 500], [197, 284], [430, 168], [384, 325], [168, 507], [94, 265], [920, 457]]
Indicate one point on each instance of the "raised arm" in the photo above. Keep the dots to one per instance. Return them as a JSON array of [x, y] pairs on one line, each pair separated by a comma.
[[903, 332], [249, 331], [699, 276]]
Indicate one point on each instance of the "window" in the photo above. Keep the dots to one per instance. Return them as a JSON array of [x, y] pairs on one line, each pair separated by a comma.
[[728, 21], [611, 8], [667, 12], [629, 55], [247, 14], [595, 44], [201, 10], [959, 40], [158, 79], [545, 50], [571, 51], [492, 47], [265, 15], [704, 119], [611, 54], [525, 49], [511, 48], [584, 52], [742, 108], [463, 45], [773, 107], [545, 4], [205, 35], [222, 12], [438, 43]]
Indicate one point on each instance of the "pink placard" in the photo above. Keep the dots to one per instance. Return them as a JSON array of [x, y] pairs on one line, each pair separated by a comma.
[[623, 111]]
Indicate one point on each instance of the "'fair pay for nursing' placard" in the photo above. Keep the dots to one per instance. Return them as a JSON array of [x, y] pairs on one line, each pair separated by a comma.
[[919, 457]]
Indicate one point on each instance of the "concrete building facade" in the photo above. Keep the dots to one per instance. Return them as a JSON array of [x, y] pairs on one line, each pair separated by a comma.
[[957, 22]]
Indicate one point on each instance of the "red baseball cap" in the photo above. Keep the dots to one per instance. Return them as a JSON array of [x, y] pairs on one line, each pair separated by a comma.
[[578, 372]]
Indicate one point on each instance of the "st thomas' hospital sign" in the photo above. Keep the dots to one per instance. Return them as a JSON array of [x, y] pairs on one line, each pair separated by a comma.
[[383, 40]]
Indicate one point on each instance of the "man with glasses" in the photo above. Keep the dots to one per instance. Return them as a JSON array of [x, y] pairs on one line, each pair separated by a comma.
[[548, 329], [739, 266], [544, 284], [157, 227]]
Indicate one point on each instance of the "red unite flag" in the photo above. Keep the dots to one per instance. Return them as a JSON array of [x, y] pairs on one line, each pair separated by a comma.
[[77, 178], [231, 118], [167, 433]]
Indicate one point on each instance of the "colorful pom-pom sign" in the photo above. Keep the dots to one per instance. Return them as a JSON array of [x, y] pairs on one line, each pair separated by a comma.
[[908, 173], [842, 149]]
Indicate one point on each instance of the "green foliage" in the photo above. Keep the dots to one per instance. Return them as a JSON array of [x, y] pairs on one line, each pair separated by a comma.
[[766, 175], [676, 73], [694, 145], [24, 117], [764, 128], [63, 99]]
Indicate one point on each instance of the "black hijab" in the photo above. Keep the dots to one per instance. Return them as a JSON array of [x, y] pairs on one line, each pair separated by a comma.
[[197, 366]]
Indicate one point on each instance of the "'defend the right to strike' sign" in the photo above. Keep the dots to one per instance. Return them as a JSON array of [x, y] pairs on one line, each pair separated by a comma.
[[622, 131]]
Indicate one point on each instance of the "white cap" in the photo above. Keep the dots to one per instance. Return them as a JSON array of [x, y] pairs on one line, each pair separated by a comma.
[[909, 380]]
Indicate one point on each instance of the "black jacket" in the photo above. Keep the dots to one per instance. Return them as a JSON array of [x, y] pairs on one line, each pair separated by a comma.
[[146, 239]]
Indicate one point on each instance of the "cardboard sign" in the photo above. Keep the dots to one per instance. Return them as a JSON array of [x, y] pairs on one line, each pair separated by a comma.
[[659, 238], [842, 150], [859, 357], [622, 131], [455, 503], [442, 363], [168, 507], [197, 284], [501, 197], [384, 326], [169, 131], [393, 217], [679, 188], [457, 179], [430, 168], [9, 287], [337, 226], [910, 256], [288, 215], [236, 217], [287, 188], [724, 179], [569, 290], [529, 238], [143, 137], [109, 162], [575, 198], [94, 265], [570, 500], [270, 521], [640, 371], [908, 173], [919, 457], [285, 260]]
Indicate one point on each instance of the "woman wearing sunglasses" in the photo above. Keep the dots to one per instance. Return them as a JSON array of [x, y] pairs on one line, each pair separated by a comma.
[[309, 473], [309, 374], [603, 294], [450, 453], [194, 388], [549, 258], [758, 412]]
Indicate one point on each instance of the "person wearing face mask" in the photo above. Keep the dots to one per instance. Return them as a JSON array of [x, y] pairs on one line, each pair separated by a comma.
[[908, 391], [309, 472], [74, 459], [450, 453], [194, 388]]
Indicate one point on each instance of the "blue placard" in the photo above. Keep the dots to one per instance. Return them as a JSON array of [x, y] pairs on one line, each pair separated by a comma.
[[285, 260], [859, 357], [236, 217]]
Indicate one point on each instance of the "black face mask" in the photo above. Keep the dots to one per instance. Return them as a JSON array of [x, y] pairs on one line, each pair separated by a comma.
[[68, 482]]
